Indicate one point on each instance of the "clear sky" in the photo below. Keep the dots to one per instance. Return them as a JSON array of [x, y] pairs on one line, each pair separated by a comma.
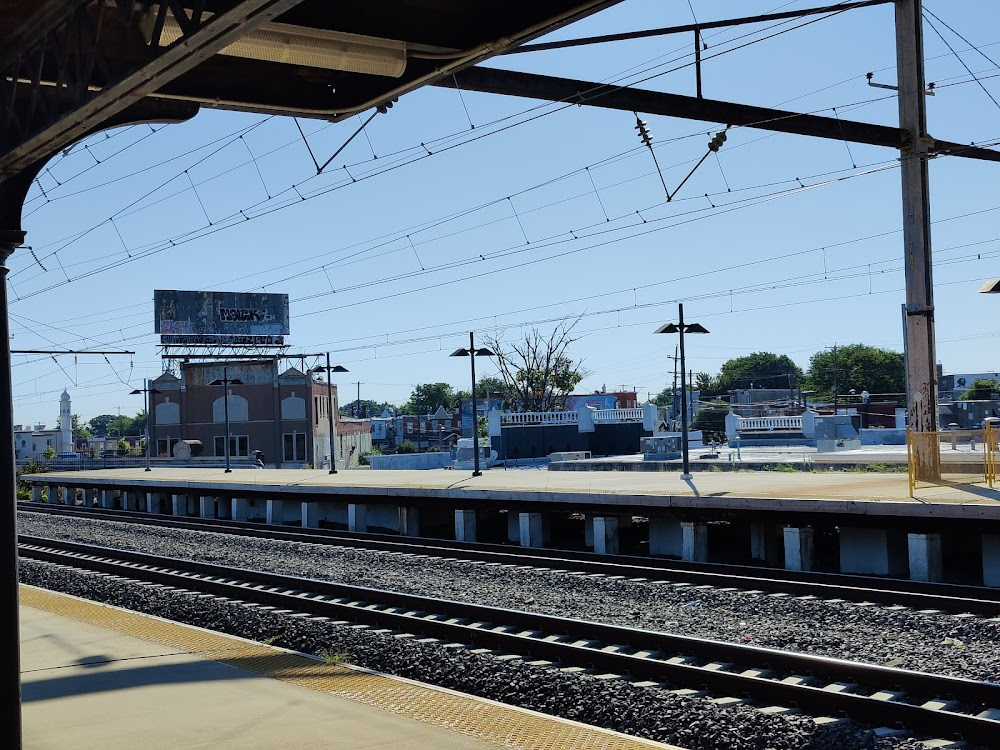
[[426, 227]]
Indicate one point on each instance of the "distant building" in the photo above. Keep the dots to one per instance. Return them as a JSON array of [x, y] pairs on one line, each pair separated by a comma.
[[951, 387], [284, 416], [31, 441]]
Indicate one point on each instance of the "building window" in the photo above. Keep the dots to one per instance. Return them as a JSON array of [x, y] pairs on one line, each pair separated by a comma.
[[294, 444], [239, 445], [165, 447]]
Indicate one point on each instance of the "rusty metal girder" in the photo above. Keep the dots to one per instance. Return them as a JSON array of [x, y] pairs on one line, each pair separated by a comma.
[[61, 50]]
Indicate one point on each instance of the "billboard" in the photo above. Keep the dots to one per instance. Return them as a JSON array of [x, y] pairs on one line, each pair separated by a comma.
[[483, 407], [220, 318]]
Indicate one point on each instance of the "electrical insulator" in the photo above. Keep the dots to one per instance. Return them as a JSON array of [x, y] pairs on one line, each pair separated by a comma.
[[717, 140], [644, 134]]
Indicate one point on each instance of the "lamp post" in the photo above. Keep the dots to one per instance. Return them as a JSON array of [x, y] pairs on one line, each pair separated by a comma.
[[472, 352], [329, 396], [225, 381], [681, 328], [145, 391]]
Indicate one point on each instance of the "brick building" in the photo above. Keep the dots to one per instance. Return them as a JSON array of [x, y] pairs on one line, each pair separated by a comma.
[[283, 415]]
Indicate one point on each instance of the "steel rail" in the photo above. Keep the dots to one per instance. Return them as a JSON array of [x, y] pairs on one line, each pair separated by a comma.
[[893, 591], [492, 627]]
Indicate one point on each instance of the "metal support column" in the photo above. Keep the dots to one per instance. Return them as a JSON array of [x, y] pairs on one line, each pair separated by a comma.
[[10, 693], [921, 369]]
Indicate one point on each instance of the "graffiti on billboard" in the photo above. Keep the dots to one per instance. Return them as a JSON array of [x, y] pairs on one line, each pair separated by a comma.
[[218, 318]]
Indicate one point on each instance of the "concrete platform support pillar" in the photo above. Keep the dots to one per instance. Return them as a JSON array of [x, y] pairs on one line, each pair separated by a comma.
[[925, 557], [588, 531], [694, 541], [52, 493], [991, 559], [130, 500], [409, 521], [153, 502], [465, 525], [606, 535], [241, 509], [532, 530], [90, 497], [798, 548], [61, 493], [764, 543], [310, 515], [513, 526], [357, 517], [207, 506], [107, 498], [275, 512], [36, 493], [180, 505], [664, 537], [869, 552]]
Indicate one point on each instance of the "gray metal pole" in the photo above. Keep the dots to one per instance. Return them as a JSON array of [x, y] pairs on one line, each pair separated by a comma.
[[329, 409], [921, 372], [145, 410], [225, 405], [686, 474], [11, 711], [475, 412]]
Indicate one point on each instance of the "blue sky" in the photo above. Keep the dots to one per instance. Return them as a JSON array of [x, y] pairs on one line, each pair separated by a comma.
[[539, 213]]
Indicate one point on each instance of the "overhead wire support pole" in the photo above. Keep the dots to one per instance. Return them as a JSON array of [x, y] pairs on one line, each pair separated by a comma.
[[921, 372]]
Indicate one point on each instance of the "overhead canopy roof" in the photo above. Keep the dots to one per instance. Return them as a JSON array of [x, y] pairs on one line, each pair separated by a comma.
[[316, 58]]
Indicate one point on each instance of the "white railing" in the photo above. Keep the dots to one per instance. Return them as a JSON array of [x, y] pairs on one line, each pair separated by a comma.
[[768, 424], [618, 415], [539, 417]]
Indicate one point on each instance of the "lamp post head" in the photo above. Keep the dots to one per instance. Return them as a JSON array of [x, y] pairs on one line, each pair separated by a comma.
[[990, 287], [225, 381], [481, 352], [675, 328]]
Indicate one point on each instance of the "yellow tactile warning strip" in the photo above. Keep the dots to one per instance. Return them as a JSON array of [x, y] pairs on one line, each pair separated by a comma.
[[488, 721]]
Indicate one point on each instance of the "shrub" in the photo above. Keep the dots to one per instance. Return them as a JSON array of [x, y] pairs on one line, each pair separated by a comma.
[[31, 467], [363, 458], [406, 447]]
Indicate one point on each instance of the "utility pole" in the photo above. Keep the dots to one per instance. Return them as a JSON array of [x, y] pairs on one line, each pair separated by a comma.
[[919, 311]]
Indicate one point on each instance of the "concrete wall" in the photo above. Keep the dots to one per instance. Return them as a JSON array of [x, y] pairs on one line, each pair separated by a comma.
[[538, 441], [876, 436], [433, 460]]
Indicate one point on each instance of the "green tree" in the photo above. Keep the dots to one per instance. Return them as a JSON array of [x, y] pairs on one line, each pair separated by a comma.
[[711, 420], [101, 424], [426, 398], [861, 367], [122, 448], [537, 370], [486, 386], [49, 452], [982, 389], [366, 408], [758, 370], [81, 430]]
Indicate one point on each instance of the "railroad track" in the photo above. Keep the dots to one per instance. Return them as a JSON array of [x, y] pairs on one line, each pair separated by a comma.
[[774, 680], [890, 591]]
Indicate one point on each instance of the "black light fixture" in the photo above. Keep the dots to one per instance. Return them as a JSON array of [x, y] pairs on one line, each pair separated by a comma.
[[681, 328], [145, 410], [329, 395], [990, 287], [472, 352], [225, 381]]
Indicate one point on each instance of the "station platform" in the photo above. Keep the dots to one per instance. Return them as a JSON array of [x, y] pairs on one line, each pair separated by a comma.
[[95, 677], [798, 491]]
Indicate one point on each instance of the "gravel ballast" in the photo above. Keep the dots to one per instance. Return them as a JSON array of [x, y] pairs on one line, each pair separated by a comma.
[[939, 643], [688, 721]]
